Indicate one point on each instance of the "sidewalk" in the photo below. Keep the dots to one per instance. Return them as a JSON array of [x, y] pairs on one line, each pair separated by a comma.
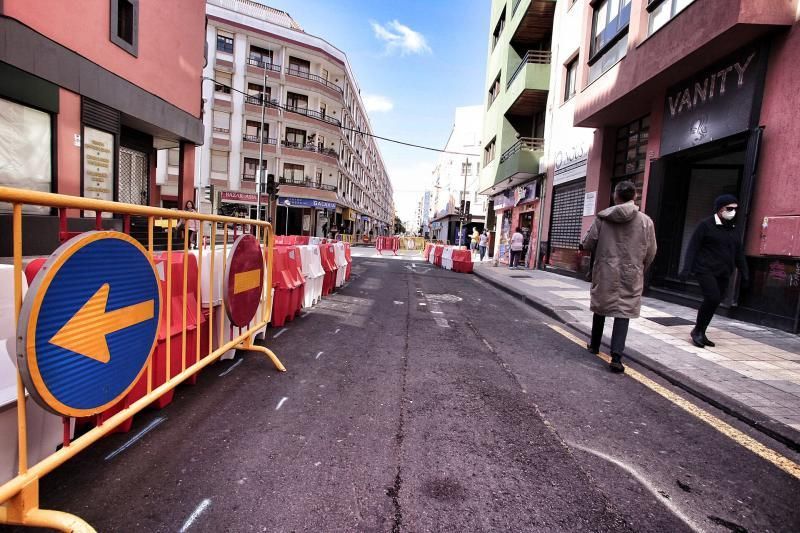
[[753, 373]]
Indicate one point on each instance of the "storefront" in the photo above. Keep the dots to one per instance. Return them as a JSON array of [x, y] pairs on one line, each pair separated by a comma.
[[709, 145], [299, 216], [570, 203], [519, 208]]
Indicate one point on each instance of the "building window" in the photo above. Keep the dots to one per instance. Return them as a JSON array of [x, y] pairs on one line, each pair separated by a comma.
[[222, 82], [292, 172], [569, 82], [466, 169], [494, 90], [222, 122], [662, 11], [295, 138], [296, 101], [299, 66], [498, 29], [630, 154], [173, 157], [252, 130], [25, 145], [219, 162], [489, 152], [225, 42], [260, 56], [124, 25], [251, 168], [610, 23], [254, 91]]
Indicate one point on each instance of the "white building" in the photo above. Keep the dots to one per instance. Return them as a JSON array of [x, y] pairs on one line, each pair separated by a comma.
[[448, 179], [329, 175]]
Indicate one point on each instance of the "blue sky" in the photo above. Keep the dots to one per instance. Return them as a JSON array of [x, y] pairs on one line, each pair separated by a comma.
[[420, 58]]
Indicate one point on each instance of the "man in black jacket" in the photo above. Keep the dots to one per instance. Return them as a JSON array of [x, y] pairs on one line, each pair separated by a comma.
[[714, 251]]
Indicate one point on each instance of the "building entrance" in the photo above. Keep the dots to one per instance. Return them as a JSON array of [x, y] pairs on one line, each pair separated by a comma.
[[692, 179]]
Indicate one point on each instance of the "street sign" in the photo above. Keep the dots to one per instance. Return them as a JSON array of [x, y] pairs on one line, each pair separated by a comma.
[[244, 280], [89, 323]]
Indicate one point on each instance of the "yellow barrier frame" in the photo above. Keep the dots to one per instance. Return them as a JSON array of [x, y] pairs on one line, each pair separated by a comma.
[[19, 497]]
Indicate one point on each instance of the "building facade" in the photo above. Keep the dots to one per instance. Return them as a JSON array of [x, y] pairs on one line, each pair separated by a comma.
[[689, 100], [517, 86], [84, 112], [331, 176], [456, 176]]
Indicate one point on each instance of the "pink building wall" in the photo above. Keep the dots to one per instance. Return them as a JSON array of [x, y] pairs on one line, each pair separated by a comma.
[[778, 174], [171, 41]]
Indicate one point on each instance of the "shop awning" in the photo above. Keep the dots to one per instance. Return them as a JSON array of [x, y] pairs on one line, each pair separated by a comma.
[[510, 183]]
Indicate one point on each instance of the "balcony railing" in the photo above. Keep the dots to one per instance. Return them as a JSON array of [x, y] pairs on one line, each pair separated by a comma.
[[313, 114], [308, 181], [294, 71], [217, 129], [311, 147], [255, 99], [248, 177], [263, 64], [254, 139], [540, 57], [515, 6], [530, 144]]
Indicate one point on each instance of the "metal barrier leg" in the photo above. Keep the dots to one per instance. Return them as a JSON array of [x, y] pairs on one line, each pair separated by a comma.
[[248, 345], [23, 509]]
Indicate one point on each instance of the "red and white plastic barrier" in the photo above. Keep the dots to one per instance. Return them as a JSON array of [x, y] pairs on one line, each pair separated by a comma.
[[452, 258]]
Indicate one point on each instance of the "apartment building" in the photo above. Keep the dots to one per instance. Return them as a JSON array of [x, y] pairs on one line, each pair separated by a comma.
[[331, 175], [88, 94], [517, 86], [688, 99], [455, 178]]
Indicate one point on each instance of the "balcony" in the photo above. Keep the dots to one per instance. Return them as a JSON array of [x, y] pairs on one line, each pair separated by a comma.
[[520, 162], [311, 147], [531, 21], [314, 114], [526, 89], [254, 139], [308, 181], [254, 66], [296, 72]]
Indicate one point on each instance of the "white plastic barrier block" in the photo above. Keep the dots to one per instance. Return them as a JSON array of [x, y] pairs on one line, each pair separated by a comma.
[[447, 258], [45, 430], [313, 273], [341, 263]]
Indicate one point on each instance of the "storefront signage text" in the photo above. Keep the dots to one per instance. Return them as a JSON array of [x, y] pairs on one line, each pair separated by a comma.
[[236, 196], [98, 166], [306, 202]]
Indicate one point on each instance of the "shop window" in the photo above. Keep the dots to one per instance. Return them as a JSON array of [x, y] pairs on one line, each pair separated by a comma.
[[222, 121], [222, 82], [662, 11], [225, 42], [260, 57], [494, 90], [124, 25], [489, 152], [569, 81], [498, 29], [630, 154], [25, 148], [219, 162]]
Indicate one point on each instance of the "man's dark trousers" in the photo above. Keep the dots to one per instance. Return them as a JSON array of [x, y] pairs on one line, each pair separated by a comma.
[[713, 288], [618, 334]]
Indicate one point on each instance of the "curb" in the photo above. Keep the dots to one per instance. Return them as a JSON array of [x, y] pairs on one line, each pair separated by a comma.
[[758, 421]]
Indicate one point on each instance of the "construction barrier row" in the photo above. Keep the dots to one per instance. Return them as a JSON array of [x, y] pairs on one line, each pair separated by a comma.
[[390, 244], [455, 258]]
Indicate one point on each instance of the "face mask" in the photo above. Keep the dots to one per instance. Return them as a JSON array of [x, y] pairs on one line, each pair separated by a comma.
[[728, 215]]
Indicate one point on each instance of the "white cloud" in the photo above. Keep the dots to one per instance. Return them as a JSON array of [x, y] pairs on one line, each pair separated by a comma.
[[399, 37], [377, 103]]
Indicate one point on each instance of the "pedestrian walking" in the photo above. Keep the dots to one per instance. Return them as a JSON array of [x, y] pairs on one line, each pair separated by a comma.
[[190, 225], [473, 245], [623, 243], [517, 240], [714, 251], [502, 248], [483, 242]]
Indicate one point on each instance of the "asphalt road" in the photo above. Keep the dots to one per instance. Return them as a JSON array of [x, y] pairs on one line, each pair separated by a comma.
[[423, 400]]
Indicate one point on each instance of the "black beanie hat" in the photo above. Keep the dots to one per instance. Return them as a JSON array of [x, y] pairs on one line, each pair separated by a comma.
[[724, 200]]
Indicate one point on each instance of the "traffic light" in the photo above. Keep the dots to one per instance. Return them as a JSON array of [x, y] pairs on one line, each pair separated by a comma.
[[272, 188]]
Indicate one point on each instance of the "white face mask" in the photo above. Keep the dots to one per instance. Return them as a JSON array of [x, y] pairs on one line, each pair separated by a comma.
[[728, 215]]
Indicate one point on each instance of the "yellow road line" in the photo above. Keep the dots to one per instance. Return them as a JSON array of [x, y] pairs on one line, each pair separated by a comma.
[[784, 463]]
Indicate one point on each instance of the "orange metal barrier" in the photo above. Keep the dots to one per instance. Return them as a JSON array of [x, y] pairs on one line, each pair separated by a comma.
[[19, 497]]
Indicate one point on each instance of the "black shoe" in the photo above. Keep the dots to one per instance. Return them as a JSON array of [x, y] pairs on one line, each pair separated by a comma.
[[697, 338], [592, 349], [707, 342], [616, 365]]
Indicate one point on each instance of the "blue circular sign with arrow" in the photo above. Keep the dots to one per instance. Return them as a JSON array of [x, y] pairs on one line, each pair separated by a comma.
[[89, 323]]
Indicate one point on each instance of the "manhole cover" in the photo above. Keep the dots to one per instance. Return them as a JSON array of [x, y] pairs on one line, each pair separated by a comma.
[[443, 298], [671, 321]]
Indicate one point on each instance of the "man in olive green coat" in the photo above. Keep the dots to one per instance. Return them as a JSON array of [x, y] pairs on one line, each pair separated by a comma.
[[623, 243]]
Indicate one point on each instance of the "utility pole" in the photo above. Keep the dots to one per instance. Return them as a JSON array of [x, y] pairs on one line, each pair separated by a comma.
[[261, 169], [464, 201]]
